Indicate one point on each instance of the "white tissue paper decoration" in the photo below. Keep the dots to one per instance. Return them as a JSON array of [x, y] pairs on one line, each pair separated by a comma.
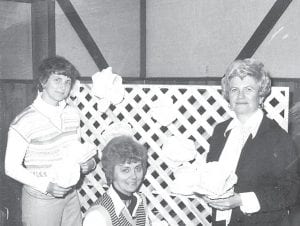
[[66, 172], [209, 179], [186, 177], [116, 129], [107, 86], [215, 181], [157, 222], [177, 150], [163, 110]]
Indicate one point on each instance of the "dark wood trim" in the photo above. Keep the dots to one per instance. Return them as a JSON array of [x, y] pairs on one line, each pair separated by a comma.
[[83, 33], [143, 39], [186, 81], [43, 32], [165, 80], [24, 1], [264, 28], [51, 28], [18, 1]]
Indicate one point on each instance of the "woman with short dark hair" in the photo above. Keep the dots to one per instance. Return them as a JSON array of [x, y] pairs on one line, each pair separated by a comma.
[[42, 140], [124, 163]]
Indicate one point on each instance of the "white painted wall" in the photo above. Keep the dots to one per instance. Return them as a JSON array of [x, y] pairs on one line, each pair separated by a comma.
[[185, 38], [114, 26]]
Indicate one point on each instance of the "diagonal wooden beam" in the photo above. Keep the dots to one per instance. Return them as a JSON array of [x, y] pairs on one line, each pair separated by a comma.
[[264, 28], [143, 40], [83, 33]]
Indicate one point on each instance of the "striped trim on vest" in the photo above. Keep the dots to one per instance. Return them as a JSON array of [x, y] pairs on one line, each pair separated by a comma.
[[46, 141], [106, 201]]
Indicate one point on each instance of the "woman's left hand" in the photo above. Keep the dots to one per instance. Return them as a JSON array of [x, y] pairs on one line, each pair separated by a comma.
[[88, 166], [224, 203]]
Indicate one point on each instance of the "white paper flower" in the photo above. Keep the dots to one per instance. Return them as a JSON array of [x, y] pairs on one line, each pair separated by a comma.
[[215, 181], [116, 129], [163, 110], [66, 172], [108, 87], [178, 150], [209, 179], [186, 178]]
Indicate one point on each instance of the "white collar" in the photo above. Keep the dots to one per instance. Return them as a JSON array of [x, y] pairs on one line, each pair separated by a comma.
[[47, 109], [252, 124], [118, 203]]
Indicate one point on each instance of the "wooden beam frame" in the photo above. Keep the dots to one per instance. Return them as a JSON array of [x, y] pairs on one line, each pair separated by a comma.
[[264, 28], [83, 33], [43, 32], [143, 39], [20, 1]]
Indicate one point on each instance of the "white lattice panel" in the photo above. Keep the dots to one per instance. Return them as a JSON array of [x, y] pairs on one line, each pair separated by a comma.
[[198, 110]]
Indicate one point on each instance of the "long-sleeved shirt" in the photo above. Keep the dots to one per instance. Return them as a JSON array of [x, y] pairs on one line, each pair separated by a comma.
[[37, 140], [229, 158]]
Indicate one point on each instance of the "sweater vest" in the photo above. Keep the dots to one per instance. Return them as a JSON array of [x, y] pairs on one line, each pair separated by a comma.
[[45, 139], [140, 218]]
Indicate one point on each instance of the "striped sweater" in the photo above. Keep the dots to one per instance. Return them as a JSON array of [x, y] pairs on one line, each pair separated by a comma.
[[39, 135]]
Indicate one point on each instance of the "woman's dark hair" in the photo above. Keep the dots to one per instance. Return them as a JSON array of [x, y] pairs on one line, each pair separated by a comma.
[[56, 65], [119, 150]]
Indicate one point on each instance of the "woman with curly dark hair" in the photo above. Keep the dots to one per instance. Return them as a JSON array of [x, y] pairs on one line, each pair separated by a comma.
[[124, 163]]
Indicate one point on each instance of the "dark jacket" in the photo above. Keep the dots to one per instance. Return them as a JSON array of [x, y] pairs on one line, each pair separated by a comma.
[[267, 167]]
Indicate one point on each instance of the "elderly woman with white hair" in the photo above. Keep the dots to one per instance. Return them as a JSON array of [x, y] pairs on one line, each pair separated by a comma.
[[256, 149]]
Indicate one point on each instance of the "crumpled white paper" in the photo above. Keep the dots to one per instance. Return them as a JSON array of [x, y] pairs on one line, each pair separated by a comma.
[[66, 172], [177, 150], [116, 129], [209, 179], [108, 87], [163, 110]]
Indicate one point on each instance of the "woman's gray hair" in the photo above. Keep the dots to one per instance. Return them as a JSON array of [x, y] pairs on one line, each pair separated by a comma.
[[120, 150], [247, 67]]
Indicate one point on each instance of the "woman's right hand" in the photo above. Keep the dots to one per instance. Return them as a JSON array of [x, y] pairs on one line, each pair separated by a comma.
[[56, 190]]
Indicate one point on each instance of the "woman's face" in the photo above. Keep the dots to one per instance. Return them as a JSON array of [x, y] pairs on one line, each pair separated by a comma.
[[56, 89], [128, 177], [244, 95]]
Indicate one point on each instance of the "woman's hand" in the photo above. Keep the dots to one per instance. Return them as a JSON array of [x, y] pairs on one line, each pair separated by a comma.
[[57, 191], [224, 203], [88, 166]]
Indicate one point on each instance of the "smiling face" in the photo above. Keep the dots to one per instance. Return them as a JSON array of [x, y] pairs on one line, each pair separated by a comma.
[[244, 96], [56, 89], [127, 177]]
